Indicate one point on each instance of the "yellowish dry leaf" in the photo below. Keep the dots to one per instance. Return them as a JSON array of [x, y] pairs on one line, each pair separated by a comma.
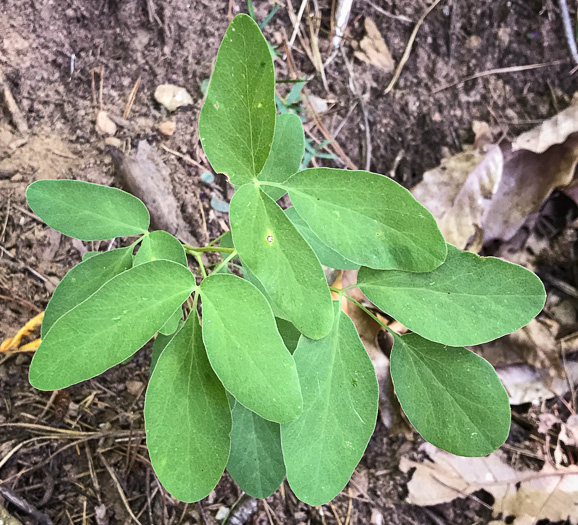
[[12, 343], [372, 48]]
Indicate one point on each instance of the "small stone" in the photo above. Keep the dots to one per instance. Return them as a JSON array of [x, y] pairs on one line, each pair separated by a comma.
[[113, 141], [167, 127], [222, 513], [104, 125], [172, 97], [16, 178], [473, 41], [134, 387]]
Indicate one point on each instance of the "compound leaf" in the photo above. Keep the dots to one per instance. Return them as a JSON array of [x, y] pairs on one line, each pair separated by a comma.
[[111, 325], [340, 397], [187, 417], [256, 460], [83, 280], [368, 218], [237, 121], [160, 245], [87, 211], [326, 255], [452, 397], [468, 300], [275, 252], [246, 350], [286, 153]]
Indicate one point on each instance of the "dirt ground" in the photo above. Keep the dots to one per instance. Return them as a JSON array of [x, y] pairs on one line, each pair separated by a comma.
[[81, 457]]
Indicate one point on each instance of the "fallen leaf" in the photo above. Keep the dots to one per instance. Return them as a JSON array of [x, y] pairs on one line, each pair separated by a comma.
[[526, 384], [372, 48], [486, 193], [526, 495]]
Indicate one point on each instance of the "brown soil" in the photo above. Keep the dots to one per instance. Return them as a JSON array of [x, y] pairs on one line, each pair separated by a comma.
[[59, 454]]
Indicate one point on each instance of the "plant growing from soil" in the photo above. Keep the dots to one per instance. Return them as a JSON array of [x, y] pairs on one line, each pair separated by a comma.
[[276, 382]]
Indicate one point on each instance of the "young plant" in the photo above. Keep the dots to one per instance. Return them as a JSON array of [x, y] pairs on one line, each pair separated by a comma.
[[276, 382]]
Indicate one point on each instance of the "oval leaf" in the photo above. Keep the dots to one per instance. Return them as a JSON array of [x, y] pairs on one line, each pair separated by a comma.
[[368, 218], [286, 153], [86, 211], [111, 325], [160, 343], [83, 280], [246, 350], [237, 121], [276, 253], [452, 397], [340, 397], [187, 417], [326, 255], [256, 460], [468, 300], [160, 245]]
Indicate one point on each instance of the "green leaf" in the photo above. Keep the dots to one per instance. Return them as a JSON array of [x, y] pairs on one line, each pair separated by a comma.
[[286, 153], [86, 211], [111, 325], [340, 397], [171, 325], [83, 280], [249, 276], [256, 460], [246, 350], [160, 245], [452, 397], [160, 343], [88, 255], [289, 333], [326, 255], [368, 218], [274, 251], [237, 121], [187, 417], [468, 300]]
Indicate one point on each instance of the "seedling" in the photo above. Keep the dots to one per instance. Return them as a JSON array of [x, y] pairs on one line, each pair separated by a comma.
[[277, 382]]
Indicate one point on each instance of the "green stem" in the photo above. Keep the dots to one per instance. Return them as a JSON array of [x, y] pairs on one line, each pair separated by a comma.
[[225, 262], [274, 184], [367, 311], [192, 250], [217, 239], [197, 256]]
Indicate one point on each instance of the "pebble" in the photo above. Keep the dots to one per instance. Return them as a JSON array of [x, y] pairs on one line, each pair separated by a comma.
[[16, 178], [173, 97], [134, 387], [104, 125], [167, 127], [113, 141]]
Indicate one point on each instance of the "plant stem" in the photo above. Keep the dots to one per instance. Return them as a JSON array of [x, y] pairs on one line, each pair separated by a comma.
[[368, 312], [197, 256], [218, 238], [226, 261], [274, 184], [193, 250]]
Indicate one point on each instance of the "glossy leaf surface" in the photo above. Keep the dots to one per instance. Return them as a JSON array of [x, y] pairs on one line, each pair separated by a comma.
[[468, 300], [256, 460], [326, 255], [286, 153], [87, 211], [83, 280], [275, 252], [452, 397], [237, 121], [246, 350], [111, 325], [368, 218], [187, 417], [340, 397]]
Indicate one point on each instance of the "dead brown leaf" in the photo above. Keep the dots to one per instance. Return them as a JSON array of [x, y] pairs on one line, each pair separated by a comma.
[[372, 48], [529, 496], [487, 193]]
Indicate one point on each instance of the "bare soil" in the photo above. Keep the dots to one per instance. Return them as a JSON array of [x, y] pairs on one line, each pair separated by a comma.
[[77, 455]]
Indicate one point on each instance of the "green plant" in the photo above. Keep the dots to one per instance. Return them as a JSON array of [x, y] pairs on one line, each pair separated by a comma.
[[277, 382]]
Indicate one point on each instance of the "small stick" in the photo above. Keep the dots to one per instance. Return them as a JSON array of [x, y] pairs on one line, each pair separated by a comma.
[[499, 71], [409, 46], [24, 506], [131, 98], [93, 87], [570, 38], [17, 117], [101, 85]]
